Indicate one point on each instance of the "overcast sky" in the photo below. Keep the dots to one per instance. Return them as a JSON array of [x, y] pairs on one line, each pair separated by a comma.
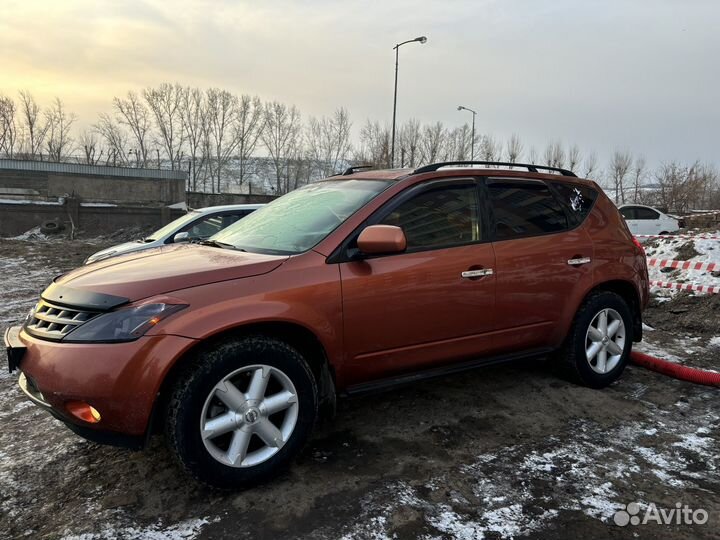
[[642, 75]]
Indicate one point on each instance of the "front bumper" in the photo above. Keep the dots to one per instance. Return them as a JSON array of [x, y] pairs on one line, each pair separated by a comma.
[[121, 380], [15, 348]]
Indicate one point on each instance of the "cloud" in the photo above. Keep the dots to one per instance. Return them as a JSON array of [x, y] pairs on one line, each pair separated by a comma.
[[606, 74]]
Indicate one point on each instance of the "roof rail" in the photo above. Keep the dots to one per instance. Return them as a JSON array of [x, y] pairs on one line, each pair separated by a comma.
[[530, 167], [352, 170]]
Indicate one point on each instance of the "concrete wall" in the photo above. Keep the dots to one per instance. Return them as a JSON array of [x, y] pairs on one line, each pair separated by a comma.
[[201, 200], [45, 181], [16, 219]]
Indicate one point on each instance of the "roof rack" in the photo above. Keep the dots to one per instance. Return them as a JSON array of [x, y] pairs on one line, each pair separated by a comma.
[[352, 170], [530, 167]]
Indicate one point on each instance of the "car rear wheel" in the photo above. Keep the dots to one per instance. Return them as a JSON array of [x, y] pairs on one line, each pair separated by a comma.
[[597, 349], [241, 411]]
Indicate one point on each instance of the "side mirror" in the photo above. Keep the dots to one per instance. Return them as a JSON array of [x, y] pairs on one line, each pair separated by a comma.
[[381, 239], [181, 237]]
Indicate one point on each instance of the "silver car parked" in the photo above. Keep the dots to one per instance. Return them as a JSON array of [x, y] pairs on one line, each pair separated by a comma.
[[194, 226]]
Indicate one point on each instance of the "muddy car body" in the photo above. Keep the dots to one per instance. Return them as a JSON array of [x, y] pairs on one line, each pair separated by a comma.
[[379, 278]]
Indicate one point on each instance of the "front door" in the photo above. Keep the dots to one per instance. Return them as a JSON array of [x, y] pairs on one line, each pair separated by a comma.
[[434, 302]]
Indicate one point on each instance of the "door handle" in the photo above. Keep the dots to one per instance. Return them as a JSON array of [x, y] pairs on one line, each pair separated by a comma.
[[469, 274], [578, 261]]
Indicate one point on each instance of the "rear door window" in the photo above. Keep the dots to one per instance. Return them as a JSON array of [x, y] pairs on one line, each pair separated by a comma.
[[645, 213], [524, 208]]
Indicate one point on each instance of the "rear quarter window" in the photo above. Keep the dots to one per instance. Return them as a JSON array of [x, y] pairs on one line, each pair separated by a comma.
[[576, 199]]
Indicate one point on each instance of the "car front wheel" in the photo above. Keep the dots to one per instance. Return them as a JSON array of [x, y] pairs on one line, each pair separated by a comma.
[[240, 411]]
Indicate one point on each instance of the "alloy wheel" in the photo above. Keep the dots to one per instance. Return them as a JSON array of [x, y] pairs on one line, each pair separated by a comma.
[[249, 416], [605, 341]]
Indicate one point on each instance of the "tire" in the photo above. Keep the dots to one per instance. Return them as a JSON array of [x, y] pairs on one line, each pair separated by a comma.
[[51, 226], [240, 448], [576, 361]]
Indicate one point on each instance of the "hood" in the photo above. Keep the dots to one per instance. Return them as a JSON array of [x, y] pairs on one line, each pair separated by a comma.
[[158, 271]]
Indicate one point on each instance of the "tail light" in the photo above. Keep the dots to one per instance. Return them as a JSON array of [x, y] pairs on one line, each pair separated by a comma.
[[638, 245]]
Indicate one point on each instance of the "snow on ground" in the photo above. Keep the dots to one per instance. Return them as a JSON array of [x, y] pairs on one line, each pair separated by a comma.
[[670, 249], [586, 475]]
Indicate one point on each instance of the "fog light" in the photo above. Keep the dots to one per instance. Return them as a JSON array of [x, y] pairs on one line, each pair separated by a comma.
[[83, 411]]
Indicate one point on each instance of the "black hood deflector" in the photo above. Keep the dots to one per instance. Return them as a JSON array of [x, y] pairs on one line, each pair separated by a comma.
[[63, 295]]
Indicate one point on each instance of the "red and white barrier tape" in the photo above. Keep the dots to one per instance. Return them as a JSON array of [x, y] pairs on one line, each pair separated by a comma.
[[679, 236], [702, 215], [684, 265], [686, 287]]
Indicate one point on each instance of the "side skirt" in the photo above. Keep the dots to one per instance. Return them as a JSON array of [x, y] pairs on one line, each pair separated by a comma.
[[384, 384]]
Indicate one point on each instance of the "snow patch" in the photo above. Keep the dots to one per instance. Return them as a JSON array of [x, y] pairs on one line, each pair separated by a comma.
[[184, 530]]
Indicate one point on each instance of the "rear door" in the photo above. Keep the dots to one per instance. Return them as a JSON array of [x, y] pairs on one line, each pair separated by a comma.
[[431, 304], [542, 257]]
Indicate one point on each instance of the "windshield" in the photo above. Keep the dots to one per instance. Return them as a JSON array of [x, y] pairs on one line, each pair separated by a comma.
[[299, 220], [172, 226]]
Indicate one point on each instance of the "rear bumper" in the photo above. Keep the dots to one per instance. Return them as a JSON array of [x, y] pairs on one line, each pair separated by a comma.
[[120, 380]]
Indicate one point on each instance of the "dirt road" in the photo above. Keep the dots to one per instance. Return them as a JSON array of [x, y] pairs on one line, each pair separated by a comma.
[[499, 452]]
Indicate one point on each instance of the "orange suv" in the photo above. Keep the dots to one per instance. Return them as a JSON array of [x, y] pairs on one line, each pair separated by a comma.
[[357, 282]]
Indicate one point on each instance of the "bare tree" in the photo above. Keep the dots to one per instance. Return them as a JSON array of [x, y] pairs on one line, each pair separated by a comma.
[[195, 118], [115, 140], [165, 104], [489, 149], [222, 109], [328, 142], [554, 155], [134, 114], [410, 138], [374, 146], [573, 157], [247, 129], [590, 164], [619, 166], [458, 143], [433, 142], [638, 177], [533, 155], [514, 148], [90, 146], [281, 136], [8, 126], [33, 126], [59, 121]]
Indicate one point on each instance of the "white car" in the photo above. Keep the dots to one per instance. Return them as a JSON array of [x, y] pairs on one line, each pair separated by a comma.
[[194, 226], [647, 220]]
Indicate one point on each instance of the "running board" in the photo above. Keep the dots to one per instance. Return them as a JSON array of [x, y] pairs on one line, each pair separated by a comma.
[[381, 385]]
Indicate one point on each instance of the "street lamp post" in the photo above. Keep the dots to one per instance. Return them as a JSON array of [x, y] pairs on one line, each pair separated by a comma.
[[421, 39], [472, 140]]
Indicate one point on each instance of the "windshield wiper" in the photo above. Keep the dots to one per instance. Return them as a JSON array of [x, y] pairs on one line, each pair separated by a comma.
[[222, 245]]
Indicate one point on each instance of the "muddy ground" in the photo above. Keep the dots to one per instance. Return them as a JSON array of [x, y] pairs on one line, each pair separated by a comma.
[[501, 452]]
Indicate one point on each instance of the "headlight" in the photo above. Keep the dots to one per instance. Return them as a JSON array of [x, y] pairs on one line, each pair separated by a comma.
[[127, 324]]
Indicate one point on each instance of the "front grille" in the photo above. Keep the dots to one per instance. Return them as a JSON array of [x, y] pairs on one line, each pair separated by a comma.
[[49, 321]]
